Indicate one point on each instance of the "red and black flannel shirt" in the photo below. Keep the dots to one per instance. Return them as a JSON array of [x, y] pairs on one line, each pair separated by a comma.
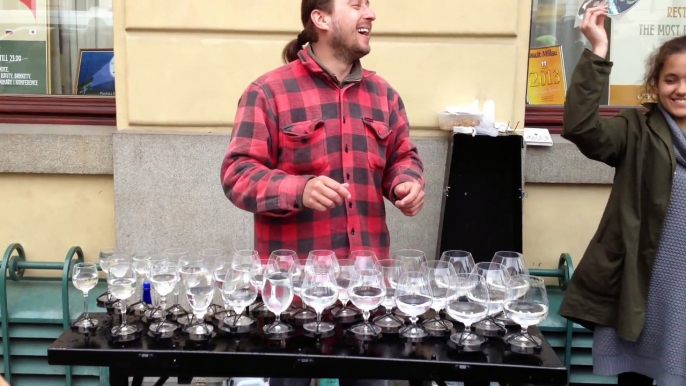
[[298, 122]]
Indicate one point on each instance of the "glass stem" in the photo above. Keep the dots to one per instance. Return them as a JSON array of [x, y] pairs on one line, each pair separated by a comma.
[[85, 303], [365, 315], [319, 317], [525, 330], [414, 319], [278, 318], [140, 280], [122, 302], [163, 304]]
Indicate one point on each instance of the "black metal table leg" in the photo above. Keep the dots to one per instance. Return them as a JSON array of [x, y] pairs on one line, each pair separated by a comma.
[[118, 377], [137, 381]]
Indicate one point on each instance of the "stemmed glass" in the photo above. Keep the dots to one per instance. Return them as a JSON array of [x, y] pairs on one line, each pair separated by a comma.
[[346, 269], [301, 313], [104, 259], [191, 268], [85, 277], [155, 312], [468, 307], [198, 280], [410, 260], [527, 305], [367, 291], [165, 277], [512, 261], [413, 297], [442, 277], [238, 292], [211, 256], [391, 270], [323, 258], [319, 291], [220, 267], [497, 279], [174, 256], [277, 295], [141, 264], [462, 261], [363, 259], [121, 281]]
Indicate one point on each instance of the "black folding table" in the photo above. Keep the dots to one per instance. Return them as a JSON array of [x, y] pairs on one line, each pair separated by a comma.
[[339, 356]]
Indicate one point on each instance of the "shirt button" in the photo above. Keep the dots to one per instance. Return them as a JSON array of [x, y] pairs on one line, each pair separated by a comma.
[[352, 232], [350, 205], [347, 176]]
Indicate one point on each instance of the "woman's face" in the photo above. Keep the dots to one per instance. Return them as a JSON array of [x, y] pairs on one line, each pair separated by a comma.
[[671, 87]]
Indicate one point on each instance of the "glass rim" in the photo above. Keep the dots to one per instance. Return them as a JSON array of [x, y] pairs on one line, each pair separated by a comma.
[[456, 253]]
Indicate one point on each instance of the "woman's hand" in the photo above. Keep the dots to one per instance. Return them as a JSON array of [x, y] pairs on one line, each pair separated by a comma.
[[593, 27]]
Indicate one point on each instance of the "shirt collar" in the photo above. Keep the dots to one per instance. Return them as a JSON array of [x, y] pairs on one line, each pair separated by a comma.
[[314, 65]]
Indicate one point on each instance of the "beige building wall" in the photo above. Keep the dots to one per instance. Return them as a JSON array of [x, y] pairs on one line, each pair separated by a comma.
[[48, 214], [183, 67]]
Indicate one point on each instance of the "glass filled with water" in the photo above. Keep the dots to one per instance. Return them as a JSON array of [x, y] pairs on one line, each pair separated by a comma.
[[367, 291], [465, 309], [238, 292], [85, 277], [277, 295], [319, 291], [121, 281], [413, 297], [526, 303]]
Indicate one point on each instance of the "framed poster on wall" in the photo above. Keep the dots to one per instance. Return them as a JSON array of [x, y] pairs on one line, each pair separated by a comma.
[[95, 72], [24, 32]]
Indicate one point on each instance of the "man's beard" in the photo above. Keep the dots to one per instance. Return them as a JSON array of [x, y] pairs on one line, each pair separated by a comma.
[[345, 52]]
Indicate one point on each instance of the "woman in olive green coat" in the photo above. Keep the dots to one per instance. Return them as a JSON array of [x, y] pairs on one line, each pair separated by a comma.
[[630, 286]]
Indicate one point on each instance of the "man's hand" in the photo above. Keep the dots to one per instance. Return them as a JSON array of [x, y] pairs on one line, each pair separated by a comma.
[[410, 197], [322, 193]]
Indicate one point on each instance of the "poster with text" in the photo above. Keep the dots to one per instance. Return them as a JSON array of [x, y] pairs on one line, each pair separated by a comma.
[[546, 83], [95, 74], [24, 47], [635, 35]]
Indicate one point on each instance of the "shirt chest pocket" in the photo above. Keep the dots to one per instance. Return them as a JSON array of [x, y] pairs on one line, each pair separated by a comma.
[[377, 134], [302, 148]]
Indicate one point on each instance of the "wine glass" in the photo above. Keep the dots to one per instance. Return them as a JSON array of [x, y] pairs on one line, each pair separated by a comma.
[[191, 269], [512, 261], [174, 256], [277, 295], [366, 291], [141, 264], [413, 297], [526, 303], [164, 277], [497, 278], [323, 258], [250, 259], [85, 277], [282, 260], [346, 270], [462, 261], [155, 311], [468, 307], [199, 284], [442, 276], [104, 259], [391, 270], [410, 259], [363, 259], [238, 292], [298, 270], [211, 256], [121, 281], [319, 291]]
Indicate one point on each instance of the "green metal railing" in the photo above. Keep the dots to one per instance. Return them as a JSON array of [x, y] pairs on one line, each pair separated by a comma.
[[14, 264], [563, 273]]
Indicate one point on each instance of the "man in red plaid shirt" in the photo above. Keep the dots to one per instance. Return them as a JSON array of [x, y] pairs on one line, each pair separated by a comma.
[[318, 143]]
